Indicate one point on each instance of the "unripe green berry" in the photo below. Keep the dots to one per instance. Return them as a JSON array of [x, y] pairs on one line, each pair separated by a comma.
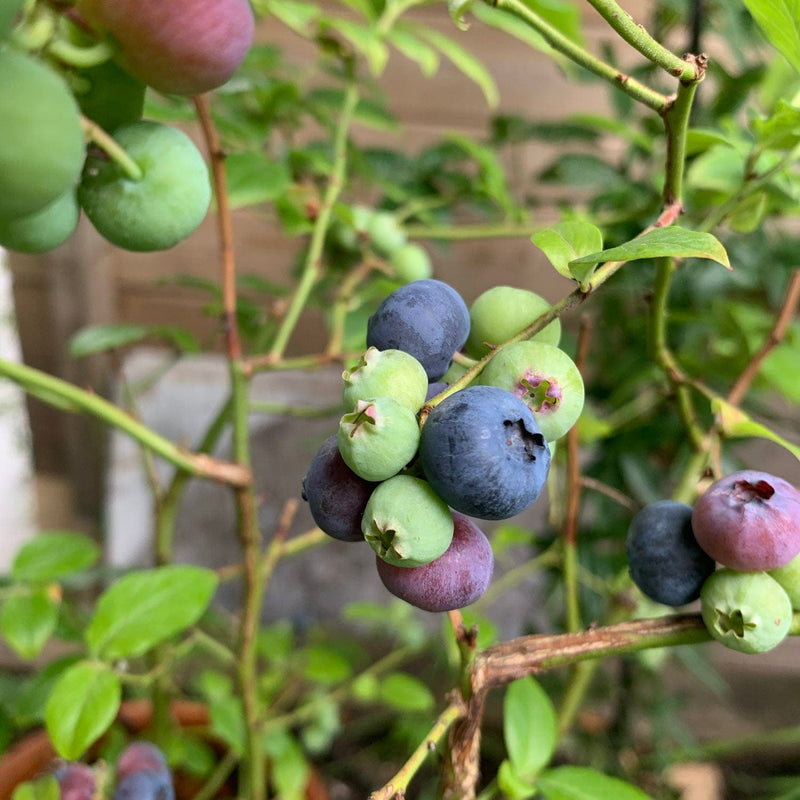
[[406, 523], [411, 263], [746, 611], [378, 438], [788, 576], [386, 373], [385, 232]]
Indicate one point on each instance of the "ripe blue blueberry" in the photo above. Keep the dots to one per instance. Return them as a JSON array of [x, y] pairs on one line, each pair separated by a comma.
[[664, 558], [483, 453], [426, 318], [336, 496], [144, 785]]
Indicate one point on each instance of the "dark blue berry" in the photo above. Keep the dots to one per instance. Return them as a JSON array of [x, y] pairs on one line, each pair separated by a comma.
[[664, 558], [145, 785], [483, 453], [336, 496], [427, 319]]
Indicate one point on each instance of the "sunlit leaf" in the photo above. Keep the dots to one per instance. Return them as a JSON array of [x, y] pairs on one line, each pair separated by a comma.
[[673, 242]]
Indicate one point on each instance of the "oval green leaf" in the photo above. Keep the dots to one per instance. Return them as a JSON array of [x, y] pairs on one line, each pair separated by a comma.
[[530, 728], [566, 242], [145, 607], [780, 22], [672, 242], [52, 555], [101, 338], [28, 620], [82, 706], [737, 425], [406, 692], [584, 783]]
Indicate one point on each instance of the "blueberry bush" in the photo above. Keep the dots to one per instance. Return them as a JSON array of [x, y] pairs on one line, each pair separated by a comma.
[[618, 408]]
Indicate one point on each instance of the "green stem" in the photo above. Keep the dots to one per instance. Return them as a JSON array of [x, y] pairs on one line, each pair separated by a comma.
[[112, 149], [254, 776], [217, 779], [502, 230], [676, 124], [313, 262], [570, 578], [81, 57], [638, 38], [64, 395], [399, 782], [558, 41]]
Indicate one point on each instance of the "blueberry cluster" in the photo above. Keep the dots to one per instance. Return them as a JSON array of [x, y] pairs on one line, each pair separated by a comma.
[[748, 523], [407, 483], [141, 773]]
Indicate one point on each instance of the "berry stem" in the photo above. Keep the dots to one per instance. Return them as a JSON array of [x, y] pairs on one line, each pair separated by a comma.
[[313, 261], [563, 44], [67, 397], [110, 146], [80, 57], [638, 38]]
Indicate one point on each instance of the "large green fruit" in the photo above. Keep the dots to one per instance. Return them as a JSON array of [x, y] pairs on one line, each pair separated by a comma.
[[8, 12], [41, 146], [179, 47], [44, 229], [164, 206]]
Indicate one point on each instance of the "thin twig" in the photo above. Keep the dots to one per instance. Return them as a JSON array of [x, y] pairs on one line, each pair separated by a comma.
[[397, 786], [217, 155], [776, 336]]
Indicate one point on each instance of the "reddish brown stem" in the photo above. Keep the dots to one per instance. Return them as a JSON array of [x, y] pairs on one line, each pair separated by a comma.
[[776, 336], [233, 346]]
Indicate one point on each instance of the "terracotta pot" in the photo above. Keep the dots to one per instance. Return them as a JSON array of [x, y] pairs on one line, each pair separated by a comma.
[[34, 754]]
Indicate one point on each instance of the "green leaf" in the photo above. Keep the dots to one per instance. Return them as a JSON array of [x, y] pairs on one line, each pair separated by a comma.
[[718, 169], [672, 242], [584, 783], [492, 174], [457, 9], [738, 425], [405, 692], [511, 784], [28, 620], [82, 706], [530, 729], [464, 61], [326, 665], [781, 131], [567, 241], [413, 48], [780, 22], [748, 214], [363, 39], [698, 140], [101, 338], [375, 116], [227, 722], [52, 555], [254, 178], [296, 15], [44, 788], [146, 607], [289, 766]]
